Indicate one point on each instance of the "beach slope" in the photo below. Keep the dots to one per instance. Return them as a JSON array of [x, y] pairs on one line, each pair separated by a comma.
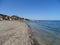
[[14, 33]]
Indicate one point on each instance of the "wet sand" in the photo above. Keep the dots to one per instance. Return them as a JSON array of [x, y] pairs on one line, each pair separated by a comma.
[[15, 33]]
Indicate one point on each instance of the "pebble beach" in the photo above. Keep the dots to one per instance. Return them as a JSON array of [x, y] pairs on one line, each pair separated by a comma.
[[15, 33]]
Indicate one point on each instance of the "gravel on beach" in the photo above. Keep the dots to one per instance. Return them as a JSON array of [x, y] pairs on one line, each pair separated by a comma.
[[14, 33]]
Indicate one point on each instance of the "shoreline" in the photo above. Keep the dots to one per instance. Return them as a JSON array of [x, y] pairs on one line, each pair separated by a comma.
[[16, 33], [33, 39]]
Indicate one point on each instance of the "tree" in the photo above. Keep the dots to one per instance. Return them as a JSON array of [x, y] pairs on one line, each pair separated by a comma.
[[14, 17]]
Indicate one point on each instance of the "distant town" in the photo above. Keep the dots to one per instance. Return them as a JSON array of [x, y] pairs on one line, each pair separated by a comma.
[[13, 17]]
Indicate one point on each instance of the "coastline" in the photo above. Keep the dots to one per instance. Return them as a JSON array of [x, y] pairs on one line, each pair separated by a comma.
[[16, 33], [32, 37]]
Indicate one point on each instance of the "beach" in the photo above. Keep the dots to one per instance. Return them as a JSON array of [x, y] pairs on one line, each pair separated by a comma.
[[15, 33]]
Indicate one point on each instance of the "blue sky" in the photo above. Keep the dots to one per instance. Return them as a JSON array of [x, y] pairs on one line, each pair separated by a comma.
[[32, 9]]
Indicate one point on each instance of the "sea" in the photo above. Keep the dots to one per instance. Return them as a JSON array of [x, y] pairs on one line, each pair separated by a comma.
[[47, 32]]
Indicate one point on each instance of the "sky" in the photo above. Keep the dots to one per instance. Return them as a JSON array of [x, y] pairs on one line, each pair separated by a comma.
[[32, 9]]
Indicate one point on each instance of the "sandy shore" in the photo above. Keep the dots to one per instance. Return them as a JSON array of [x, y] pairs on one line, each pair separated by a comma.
[[15, 33]]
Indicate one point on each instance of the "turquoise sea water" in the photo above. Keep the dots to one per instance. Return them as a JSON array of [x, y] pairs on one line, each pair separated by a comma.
[[46, 31]]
